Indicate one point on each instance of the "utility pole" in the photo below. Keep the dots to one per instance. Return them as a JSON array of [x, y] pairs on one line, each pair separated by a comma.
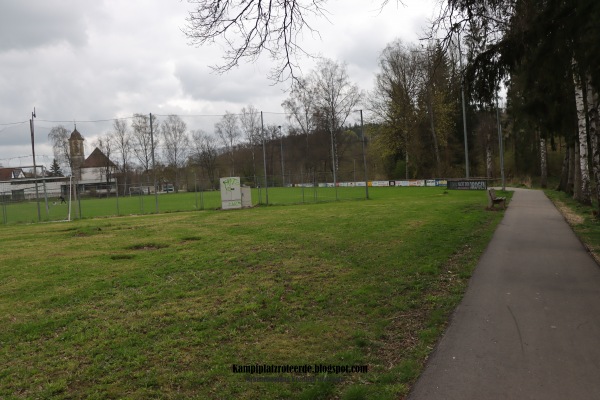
[[37, 194]]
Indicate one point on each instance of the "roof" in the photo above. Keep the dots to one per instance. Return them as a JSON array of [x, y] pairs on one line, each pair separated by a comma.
[[6, 174], [97, 160], [75, 135]]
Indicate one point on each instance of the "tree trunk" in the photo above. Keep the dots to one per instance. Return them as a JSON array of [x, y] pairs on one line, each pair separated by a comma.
[[489, 166], [564, 174], [436, 148], [543, 163], [583, 140], [577, 175], [592, 104], [571, 175]]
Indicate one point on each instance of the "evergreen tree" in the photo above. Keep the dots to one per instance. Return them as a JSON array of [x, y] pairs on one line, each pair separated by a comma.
[[55, 168]]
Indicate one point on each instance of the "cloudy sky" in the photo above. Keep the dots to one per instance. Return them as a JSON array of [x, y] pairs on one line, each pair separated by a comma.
[[78, 61]]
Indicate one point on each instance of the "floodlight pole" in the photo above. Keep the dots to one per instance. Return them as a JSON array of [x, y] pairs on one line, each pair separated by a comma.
[[45, 191], [37, 195], [153, 165], [333, 164], [117, 193], [281, 151], [70, 195], [362, 132], [262, 127]]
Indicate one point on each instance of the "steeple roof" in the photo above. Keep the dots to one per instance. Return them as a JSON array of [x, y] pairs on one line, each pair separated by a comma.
[[75, 135]]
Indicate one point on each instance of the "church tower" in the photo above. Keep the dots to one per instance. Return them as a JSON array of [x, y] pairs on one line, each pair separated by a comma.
[[76, 153]]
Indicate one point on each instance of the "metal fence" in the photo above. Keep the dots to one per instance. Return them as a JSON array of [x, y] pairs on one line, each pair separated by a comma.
[[69, 201]]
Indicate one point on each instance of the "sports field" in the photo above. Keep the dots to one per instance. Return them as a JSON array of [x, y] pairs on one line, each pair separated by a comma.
[[26, 212], [173, 305]]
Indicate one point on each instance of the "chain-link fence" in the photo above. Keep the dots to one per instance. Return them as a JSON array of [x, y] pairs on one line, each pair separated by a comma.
[[62, 200], [161, 172]]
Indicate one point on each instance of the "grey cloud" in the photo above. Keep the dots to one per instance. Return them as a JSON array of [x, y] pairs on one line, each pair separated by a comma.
[[28, 24], [240, 86]]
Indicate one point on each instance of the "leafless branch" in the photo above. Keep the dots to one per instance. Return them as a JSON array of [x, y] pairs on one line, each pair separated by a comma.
[[249, 28]]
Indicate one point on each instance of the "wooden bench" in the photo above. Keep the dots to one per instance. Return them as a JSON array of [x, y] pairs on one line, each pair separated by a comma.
[[493, 199]]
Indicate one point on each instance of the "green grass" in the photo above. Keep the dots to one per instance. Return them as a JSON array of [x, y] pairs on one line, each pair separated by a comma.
[[587, 226], [161, 306], [135, 205]]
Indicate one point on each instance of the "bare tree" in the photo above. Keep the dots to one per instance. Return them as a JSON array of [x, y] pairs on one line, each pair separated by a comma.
[[123, 145], [176, 143], [301, 109], [59, 137], [105, 145], [228, 132], [250, 122], [248, 28], [335, 98], [301, 106], [205, 153], [143, 147]]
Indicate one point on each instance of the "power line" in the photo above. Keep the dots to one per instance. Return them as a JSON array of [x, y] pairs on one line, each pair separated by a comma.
[[13, 123]]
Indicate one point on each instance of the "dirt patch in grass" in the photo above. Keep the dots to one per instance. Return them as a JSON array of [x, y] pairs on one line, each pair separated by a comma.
[[186, 239], [121, 256], [571, 217], [147, 246]]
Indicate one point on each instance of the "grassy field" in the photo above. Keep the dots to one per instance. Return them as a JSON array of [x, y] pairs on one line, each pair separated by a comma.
[[171, 202], [162, 306]]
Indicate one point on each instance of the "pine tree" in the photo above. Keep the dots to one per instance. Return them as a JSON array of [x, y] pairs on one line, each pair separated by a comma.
[[55, 168]]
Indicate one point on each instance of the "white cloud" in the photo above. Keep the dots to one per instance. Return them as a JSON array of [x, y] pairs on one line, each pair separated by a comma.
[[90, 60]]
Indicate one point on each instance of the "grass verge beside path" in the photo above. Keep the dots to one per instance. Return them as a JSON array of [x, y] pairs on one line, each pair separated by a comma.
[[162, 306], [581, 219]]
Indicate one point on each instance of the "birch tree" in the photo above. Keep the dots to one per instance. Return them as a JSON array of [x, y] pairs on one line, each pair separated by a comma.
[[228, 132], [250, 123], [59, 137], [105, 144], [145, 141], [121, 139], [585, 196], [335, 98], [175, 142], [206, 153]]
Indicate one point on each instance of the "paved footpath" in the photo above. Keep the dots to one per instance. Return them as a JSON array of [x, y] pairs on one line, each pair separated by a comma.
[[529, 324]]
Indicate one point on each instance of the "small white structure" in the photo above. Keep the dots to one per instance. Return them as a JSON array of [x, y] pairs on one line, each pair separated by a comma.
[[231, 193], [246, 197]]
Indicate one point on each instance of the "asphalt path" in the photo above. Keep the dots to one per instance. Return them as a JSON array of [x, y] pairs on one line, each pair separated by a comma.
[[529, 324]]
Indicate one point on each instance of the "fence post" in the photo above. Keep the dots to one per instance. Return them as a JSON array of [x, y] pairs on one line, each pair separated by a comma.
[[78, 199], [4, 216], [117, 189], [262, 127], [196, 189], [362, 132]]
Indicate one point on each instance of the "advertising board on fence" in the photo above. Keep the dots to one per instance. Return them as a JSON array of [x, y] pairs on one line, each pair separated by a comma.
[[379, 183], [418, 182], [468, 184]]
